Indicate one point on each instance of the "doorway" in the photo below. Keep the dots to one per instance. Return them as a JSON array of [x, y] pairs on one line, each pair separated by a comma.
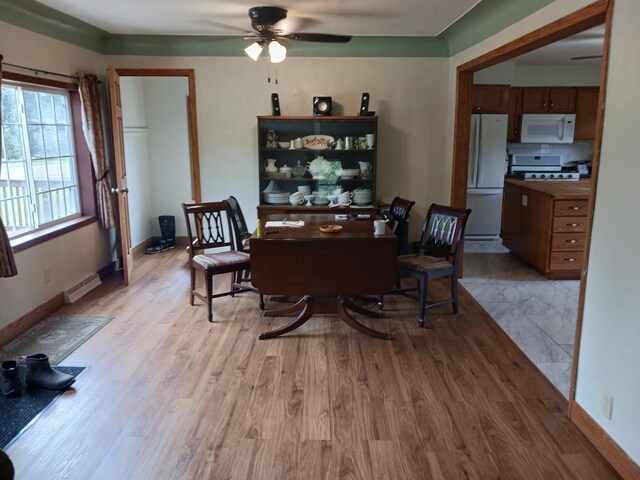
[[157, 162], [584, 19]]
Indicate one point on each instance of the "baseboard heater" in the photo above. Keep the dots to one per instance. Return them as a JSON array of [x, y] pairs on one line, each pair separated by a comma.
[[80, 289]]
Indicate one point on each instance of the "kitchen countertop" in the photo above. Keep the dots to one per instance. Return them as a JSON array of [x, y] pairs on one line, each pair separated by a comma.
[[560, 189]]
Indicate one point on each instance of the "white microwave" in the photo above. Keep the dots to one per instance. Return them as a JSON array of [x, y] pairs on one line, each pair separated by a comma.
[[548, 128]]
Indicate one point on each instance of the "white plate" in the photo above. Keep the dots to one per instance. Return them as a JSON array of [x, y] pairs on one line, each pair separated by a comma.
[[317, 142]]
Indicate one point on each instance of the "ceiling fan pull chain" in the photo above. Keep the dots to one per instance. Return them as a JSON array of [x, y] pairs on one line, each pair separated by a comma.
[[276, 68], [268, 73]]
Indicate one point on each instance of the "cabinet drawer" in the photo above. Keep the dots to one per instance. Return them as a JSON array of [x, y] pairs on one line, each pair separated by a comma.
[[569, 208], [566, 242], [566, 260], [570, 224]]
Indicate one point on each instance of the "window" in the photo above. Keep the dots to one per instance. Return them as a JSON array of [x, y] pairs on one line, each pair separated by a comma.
[[38, 177]]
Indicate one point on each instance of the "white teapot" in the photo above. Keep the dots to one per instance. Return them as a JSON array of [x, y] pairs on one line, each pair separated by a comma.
[[320, 168]]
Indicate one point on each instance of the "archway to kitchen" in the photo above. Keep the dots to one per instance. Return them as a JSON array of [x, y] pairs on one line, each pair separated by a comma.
[[587, 18]]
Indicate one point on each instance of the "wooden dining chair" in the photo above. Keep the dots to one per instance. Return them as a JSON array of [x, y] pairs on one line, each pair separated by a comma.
[[209, 227], [397, 218], [438, 256], [241, 237]]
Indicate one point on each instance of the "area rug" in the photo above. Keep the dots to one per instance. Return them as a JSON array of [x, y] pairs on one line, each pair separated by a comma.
[[57, 336], [18, 413]]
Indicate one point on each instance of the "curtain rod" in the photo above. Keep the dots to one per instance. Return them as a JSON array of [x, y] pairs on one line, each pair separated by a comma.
[[37, 71]]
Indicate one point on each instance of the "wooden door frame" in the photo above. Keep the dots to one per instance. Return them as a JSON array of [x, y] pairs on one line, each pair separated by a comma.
[[192, 118], [592, 15]]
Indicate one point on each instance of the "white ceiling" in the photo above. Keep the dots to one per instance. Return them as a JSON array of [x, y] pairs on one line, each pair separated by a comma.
[[584, 44], [230, 17]]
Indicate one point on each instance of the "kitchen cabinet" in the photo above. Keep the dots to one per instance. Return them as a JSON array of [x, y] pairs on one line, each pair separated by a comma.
[[316, 130], [489, 98], [586, 112], [544, 223], [548, 100], [514, 109]]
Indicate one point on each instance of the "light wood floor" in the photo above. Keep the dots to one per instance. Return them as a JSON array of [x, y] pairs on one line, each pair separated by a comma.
[[168, 395]]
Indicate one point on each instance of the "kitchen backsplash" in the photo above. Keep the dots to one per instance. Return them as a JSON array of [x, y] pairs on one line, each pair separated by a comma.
[[572, 153]]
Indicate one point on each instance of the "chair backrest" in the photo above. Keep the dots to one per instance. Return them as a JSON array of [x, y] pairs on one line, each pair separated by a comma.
[[398, 218], [240, 230], [442, 231], [208, 226]]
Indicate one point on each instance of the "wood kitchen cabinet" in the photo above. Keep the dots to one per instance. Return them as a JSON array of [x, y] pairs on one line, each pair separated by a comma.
[[586, 112], [544, 223], [514, 109], [489, 98], [548, 100]]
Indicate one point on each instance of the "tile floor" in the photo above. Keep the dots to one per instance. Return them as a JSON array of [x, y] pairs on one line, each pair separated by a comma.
[[538, 314]]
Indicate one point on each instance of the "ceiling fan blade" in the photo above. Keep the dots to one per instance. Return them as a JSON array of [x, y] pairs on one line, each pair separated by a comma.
[[318, 37], [586, 57]]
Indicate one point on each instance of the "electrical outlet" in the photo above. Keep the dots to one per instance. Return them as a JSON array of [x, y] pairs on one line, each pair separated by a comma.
[[606, 407], [524, 200], [47, 275]]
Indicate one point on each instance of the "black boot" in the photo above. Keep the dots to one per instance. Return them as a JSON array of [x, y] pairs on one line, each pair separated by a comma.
[[168, 230], [11, 386], [40, 374]]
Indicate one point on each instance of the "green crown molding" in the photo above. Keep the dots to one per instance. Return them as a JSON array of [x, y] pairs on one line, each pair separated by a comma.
[[486, 19], [39, 18], [210, 46]]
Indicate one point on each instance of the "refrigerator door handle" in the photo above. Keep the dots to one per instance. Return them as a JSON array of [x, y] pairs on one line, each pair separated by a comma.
[[475, 153]]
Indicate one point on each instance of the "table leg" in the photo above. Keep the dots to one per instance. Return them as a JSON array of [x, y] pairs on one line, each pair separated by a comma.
[[361, 310], [283, 312], [344, 315], [305, 314]]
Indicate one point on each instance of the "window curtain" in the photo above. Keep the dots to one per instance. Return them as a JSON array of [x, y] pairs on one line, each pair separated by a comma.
[[94, 134], [7, 262]]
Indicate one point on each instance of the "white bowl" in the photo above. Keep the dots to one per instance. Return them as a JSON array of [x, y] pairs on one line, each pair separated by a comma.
[[284, 144]]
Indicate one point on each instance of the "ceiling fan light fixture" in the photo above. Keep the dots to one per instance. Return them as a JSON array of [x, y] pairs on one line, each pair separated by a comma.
[[277, 52], [254, 50]]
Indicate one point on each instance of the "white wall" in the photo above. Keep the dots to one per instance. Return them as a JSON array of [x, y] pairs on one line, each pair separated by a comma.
[[71, 256], [406, 93], [134, 122], [611, 331], [609, 354], [169, 167], [521, 76]]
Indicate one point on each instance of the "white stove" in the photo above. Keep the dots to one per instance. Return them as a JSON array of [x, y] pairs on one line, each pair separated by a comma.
[[543, 166]]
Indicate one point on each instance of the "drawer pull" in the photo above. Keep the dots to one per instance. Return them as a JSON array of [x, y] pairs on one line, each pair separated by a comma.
[[572, 224], [570, 259], [571, 241], [574, 208]]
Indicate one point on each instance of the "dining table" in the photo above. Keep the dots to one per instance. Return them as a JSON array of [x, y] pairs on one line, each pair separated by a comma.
[[292, 256]]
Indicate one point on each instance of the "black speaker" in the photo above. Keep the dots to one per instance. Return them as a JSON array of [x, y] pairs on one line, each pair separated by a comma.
[[322, 106], [364, 105], [275, 105]]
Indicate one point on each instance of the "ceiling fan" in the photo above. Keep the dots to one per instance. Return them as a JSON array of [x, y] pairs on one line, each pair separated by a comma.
[[264, 20]]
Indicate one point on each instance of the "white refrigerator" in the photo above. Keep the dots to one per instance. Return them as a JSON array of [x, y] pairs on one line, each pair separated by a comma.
[[487, 161]]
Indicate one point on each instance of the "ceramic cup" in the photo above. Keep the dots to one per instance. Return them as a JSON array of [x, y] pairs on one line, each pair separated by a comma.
[[378, 227], [296, 199], [297, 143], [370, 139], [304, 189], [345, 198]]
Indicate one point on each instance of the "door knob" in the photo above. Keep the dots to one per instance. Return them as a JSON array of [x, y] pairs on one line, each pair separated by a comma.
[[117, 190]]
